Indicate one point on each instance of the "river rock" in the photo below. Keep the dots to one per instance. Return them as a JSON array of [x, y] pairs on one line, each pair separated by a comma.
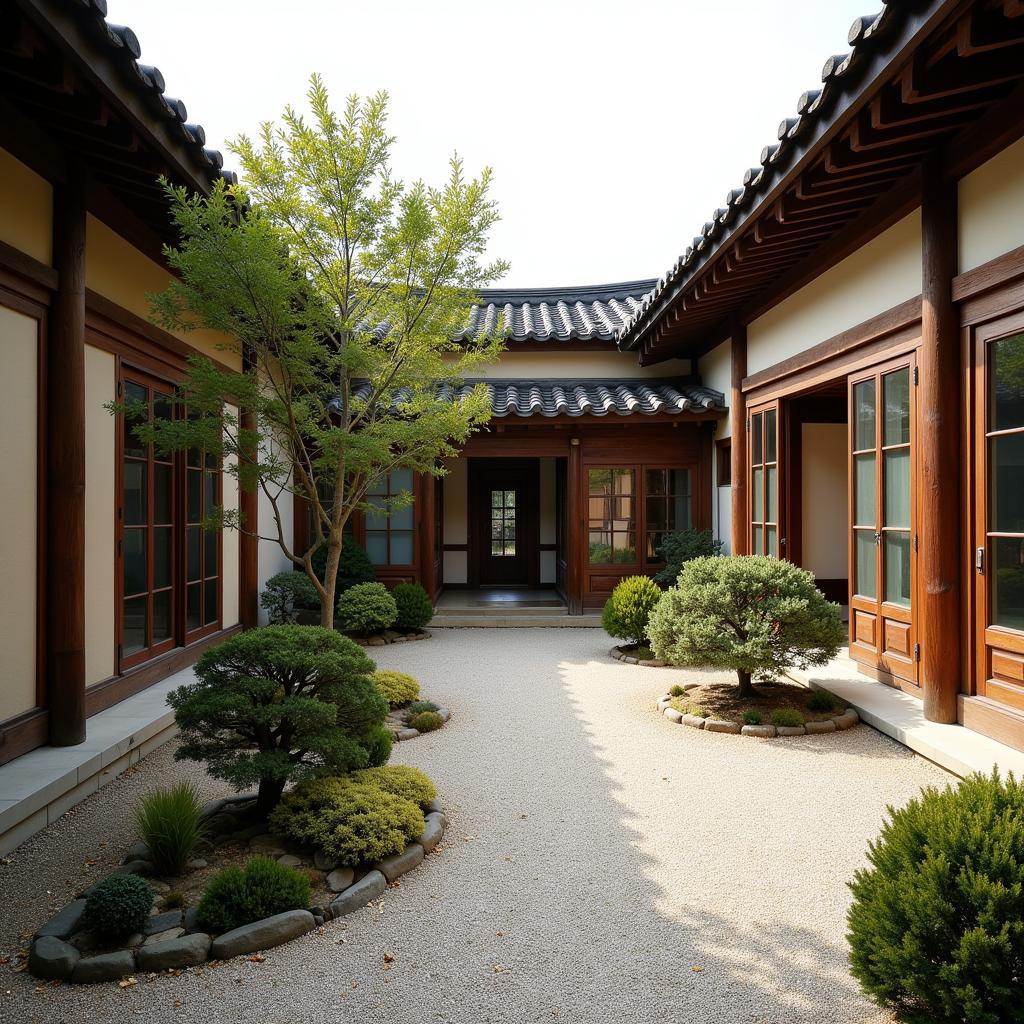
[[397, 865], [65, 922], [433, 831], [340, 879], [369, 887], [52, 958], [105, 967], [186, 951], [265, 934]]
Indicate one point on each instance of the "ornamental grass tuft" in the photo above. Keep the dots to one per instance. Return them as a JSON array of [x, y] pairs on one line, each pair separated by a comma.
[[170, 823]]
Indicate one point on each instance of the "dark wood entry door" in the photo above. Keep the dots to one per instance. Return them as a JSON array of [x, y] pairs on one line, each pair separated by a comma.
[[504, 525]]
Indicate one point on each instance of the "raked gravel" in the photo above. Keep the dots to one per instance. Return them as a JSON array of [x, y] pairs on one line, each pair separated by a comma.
[[602, 864]]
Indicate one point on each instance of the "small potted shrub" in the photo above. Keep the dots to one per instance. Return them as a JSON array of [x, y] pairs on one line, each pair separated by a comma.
[[118, 906], [366, 608], [627, 610], [237, 896], [414, 607]]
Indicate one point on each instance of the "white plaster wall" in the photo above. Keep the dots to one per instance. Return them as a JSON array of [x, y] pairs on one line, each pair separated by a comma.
[[991, 208], [100, 514], [18, 411], [824, 509], [878, 276], [520, 365], [455, 564], [230, 546], [715, 371], [270, 558]]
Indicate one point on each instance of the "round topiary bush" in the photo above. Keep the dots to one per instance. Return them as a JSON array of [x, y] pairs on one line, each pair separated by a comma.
[[285, 594], [353, 822], [354, 566], [414, 607], [398, 687], [366, 608], [237, 896], [118, 906], [426, 721], [936, 929], [626, 612], [401, 779]]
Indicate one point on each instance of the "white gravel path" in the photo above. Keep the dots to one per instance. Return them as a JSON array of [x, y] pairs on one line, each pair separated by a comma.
[[601, 864]]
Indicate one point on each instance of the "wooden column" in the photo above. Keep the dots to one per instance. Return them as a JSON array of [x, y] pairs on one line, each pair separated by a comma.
[[576, 529], [738, 417], [65, 471], [248, 545], [938, 432], [427, 524]]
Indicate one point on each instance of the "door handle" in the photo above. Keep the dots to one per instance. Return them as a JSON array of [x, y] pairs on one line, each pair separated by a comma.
[[979, 561]]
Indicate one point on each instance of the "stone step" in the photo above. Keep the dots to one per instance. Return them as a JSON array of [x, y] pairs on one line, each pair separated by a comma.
[[500, 608], [502, 620]]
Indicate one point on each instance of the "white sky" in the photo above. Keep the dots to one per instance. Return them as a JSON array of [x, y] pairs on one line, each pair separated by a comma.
[[614, 129]]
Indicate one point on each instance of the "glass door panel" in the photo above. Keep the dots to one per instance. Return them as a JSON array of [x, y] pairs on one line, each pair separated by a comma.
[[765, 483]]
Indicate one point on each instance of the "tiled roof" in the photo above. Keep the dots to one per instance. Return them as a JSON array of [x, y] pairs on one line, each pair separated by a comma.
[[593, 313], [526, 398]]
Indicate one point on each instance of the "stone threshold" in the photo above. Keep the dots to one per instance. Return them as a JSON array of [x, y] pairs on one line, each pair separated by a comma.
[[40, 786], [900, 715]]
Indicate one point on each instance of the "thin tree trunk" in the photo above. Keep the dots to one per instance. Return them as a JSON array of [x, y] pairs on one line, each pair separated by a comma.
[[746, 689], [330, 582], [269, 795]]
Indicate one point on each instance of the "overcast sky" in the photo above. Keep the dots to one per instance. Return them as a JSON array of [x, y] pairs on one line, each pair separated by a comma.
[[614, 129]]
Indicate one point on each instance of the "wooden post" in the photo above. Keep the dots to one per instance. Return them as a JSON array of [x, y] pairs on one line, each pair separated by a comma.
[[249, 545], [576, 534], [938, 516], [65, 471], [738, 418], [427, 524]]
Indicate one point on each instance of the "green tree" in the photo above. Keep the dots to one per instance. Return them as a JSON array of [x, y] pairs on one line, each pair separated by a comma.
[[751, 613], [348, 294]]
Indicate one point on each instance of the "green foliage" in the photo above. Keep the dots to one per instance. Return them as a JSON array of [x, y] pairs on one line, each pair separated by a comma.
[[681, 547], [676, 691], [378, 742], [822, 700], [419, 705], [401, 780], [173, 899], [414, 607], [169, 822], [426, 721], [398, 687], [366, 608], [751, 717], [237, 896], [285, 594], [683, 706], [755, 614], [277, 704], [936, 928], [626, 612], [118, 906], [301, 267], [788, 718], [354, 822], [354, 566], [605, 554]]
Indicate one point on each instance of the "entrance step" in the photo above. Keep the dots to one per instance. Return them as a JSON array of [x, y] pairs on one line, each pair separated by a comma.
[[494, 618], [502, 608]]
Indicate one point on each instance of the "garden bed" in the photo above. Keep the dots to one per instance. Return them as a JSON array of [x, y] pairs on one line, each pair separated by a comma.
[[777, 709], [381, 638], [399, 726], [172, 939], [637, 654]]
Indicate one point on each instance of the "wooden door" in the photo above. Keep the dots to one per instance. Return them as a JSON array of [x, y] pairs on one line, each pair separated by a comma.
[[764, 484], [883, 542], [505, 526], [999, 511]]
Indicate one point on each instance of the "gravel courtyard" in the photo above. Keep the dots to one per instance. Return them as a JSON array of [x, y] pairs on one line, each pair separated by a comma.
[[601, 864]]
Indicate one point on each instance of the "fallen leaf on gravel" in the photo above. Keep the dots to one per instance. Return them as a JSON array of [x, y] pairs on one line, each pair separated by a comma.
[[499, 968], [127, 983], [697, 969], [389, 958], [499, 933], [257, 958]]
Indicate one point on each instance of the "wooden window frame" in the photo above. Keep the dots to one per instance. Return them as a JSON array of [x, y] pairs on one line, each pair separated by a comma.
[[756, 422], [388, 529], [723, 462]]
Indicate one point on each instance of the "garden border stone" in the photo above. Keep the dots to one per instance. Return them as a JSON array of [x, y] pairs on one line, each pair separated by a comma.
[[620, 655], [389, 636], [408, 733]]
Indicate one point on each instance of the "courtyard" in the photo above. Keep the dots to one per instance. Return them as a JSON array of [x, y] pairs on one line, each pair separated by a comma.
[[601, 864]]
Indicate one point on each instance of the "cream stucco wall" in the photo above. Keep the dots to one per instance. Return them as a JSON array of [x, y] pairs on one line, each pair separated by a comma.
[[878, 276], [456, 516], [520, 365], [18, 507], [230, 546], [270, 558], [100, 514], [26, 209], [824, 511], [715, 371], [991, 208], [119, 272]]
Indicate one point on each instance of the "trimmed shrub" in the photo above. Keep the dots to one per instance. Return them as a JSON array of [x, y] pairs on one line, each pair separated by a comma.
[[354, 566], [683, 546], [755, 614], [378, 742], [277, 704], [626, 612], [426, 721], [676, 691], [751, 717], [173, 899], [366, 608], [169, 822], [419, 705], [788, 718], [822, 700], [285, 594], [936, 928], [414, 607], [398, 687], [402, 780], [237, 896], [354, 822], [118, 906]]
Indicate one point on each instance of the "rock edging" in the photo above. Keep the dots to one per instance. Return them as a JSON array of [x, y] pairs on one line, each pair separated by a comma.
[[620, 655], [389, 636], [401, 730], [837, 723]]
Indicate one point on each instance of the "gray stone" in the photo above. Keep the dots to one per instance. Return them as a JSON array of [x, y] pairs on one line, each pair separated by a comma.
[[376, 641], [323, 862], [763, 731], [819, 727], [65, 922], [269, 845], [435, 825], [165, 936], [721, 725], [694, 721], [369, 887], [105, 967], [161, 922], [673, 715], [790, 730], [52, 958], [847, 720], [190, 920], [289, 860], [186, 951], [434, 806], [393, 867], [652, 663], [340, 879], [629, 660], [139, 850], [135, 867], [408, 734], [196, 863], [265, 934], [158, 887], [221, 824], [690, 686], [444, 713], [212, 808], [664, 703]]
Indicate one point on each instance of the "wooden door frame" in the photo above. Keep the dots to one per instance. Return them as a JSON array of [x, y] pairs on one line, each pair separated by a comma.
[[782, 452]]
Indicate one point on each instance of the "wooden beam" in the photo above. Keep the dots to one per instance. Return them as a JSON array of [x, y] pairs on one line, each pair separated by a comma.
[[738, 413], [65, 471], [939, 625]]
